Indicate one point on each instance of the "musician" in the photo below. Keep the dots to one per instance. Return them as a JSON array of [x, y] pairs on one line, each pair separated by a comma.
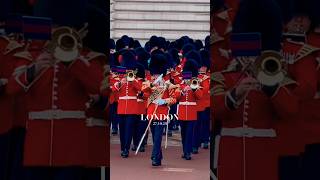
[[248, 108], [127, 89], [196, 142], [188, 94], [299, 55], [309, 108], [113, 98], [204, 102], [141, 124], [9, 45], [57, 93], [161, 97]]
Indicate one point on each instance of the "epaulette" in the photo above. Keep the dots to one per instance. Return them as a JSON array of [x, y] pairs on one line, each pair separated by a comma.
[[214, 38], [231, 67], [217, 90], [205, 77], [5, 38], [305, 51], [24, 55], [19, 70], [225, 53], [224, 15], [12, 45], [288, 81], [92, 55], [218, 78]]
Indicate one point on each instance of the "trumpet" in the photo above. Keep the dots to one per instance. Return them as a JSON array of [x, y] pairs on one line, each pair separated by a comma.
[[131, 75], [65, 44], [195, 83], [269, 68]]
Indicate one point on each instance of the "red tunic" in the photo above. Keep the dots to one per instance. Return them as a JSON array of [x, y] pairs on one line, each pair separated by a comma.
[[302, 69], [160, 110], [204, 102], [248, 143], [7, 65], [127, 93], [56, 101], [187, 106]]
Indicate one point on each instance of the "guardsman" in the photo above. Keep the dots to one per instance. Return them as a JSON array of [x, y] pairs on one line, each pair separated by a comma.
[[248, 105], [97, 121], [310, 109], [141, 123], [188, 94], [9, 45], [299, 55], [160, 98], [196, 142], [57, 77], [204, 102], [113, 99], [127, 89]]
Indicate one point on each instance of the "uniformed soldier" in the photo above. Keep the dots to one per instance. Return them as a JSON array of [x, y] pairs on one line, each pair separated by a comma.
[[299, 56], [141, 123], [127, 89], [188, 95], [249, 106], [9, 45]]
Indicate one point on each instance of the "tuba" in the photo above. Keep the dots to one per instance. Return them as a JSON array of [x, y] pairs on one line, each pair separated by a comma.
[[65, 44], [269, 68]]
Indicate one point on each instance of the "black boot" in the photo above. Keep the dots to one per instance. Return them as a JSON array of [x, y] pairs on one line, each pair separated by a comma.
[[195, 150], [156, 162], [187, 156], [125, 154], [205, 145]]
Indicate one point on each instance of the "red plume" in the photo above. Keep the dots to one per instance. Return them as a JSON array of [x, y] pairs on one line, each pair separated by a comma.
[[120, 58]]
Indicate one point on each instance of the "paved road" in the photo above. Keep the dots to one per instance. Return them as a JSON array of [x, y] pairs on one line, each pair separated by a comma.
[[173, 166]]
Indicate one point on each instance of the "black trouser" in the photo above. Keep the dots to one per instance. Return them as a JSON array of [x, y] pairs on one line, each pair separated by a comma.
[[4, 155]]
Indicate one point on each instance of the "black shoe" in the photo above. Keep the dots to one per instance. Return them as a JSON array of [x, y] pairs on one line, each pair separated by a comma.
[[125, 154], [195, 151], [156, 162], [142, 149], [187, 156], [205, 146], [134, 148], [114, 132], [170, 133]]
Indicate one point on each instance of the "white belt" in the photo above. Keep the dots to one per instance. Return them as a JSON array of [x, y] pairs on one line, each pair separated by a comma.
[[56, 114], [93, 122], [128, 97], [248, 132], [188, 103]]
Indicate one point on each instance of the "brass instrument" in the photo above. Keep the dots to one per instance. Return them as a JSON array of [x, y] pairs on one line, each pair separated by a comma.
[[195, 83], [65, 44], [131, 75], [269, 68]]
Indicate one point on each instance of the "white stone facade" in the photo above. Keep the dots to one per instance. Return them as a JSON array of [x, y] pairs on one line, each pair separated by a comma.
[[168, 18]]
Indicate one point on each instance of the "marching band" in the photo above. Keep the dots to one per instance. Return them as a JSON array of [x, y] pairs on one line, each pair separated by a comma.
[[164, 79]]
